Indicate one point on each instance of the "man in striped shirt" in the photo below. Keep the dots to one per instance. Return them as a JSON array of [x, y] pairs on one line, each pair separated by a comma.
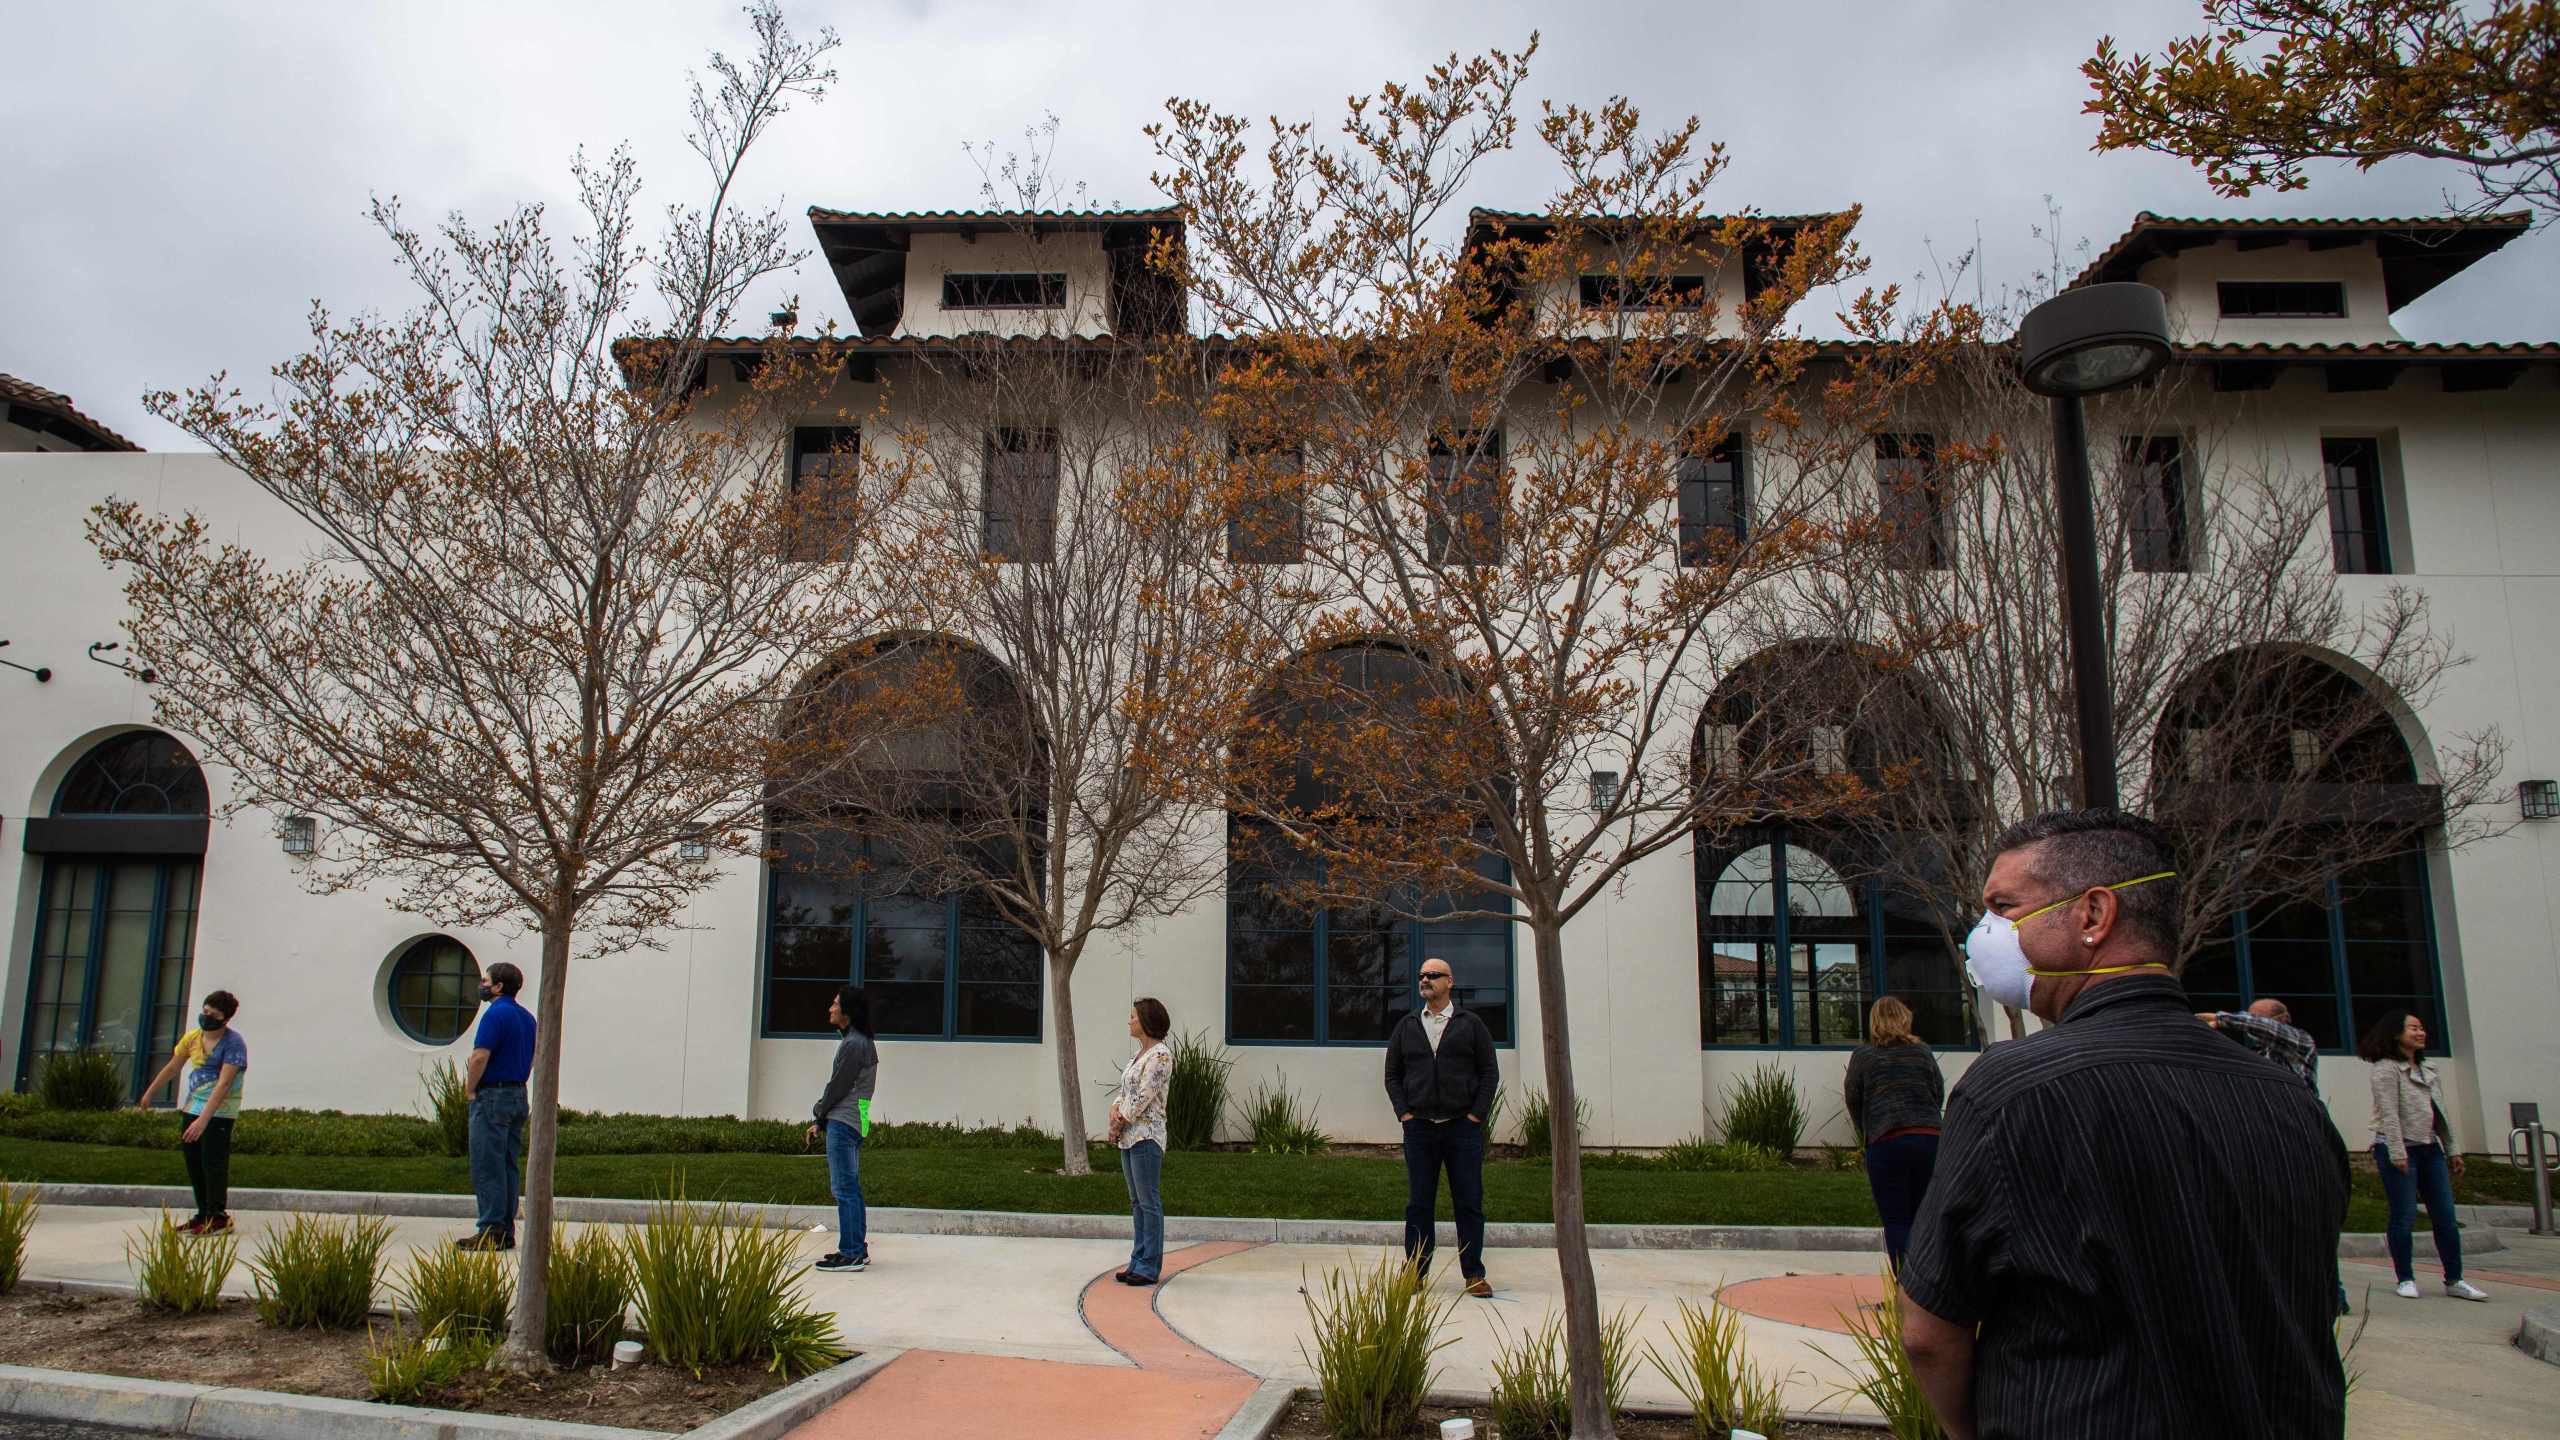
[[2133, 1226]]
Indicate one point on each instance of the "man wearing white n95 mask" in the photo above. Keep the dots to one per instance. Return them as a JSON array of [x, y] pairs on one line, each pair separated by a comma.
[[2133, 1226]]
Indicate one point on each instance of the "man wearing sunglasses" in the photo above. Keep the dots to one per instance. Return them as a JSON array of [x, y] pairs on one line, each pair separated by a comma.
[[2133, 1226], [1440, 1079]]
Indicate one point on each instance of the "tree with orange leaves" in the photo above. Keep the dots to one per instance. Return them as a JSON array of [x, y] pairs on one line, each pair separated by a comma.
[[1547, 473]]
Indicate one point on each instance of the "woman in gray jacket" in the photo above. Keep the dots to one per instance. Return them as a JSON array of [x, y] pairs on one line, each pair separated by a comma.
[[1895, 1096], [2410, 1154]]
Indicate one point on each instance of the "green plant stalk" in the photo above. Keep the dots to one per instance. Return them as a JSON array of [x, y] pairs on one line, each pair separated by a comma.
[[1887, 1382], [176, 1271], [81, 1080], [1375, 1331], [319, 1273], [711, 1290], [18, 1210], [458, 1292], [448, 1106], [590, 1296], [1196, 1095], [1710, 1368]]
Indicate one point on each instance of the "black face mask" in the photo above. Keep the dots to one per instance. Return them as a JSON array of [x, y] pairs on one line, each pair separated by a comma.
[[209, 1021]]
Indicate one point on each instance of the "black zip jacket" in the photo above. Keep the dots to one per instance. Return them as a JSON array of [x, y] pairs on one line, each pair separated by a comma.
[[1458, 1081]]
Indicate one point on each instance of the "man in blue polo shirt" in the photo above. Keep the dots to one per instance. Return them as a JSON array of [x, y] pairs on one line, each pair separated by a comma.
[[501, 1062]]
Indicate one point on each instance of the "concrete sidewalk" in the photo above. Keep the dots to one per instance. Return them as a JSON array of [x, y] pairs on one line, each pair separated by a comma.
[[2425, 1361]]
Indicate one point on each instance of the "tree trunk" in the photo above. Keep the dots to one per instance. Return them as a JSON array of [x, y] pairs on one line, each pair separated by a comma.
[[524, 1351], [1075, 1158], [1591, 1417]]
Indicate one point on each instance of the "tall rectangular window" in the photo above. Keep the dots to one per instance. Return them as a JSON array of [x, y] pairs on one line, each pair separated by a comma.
[[1020, 500], [824, 461], [1913, 500], [1463, 516], [1269, 523], [2359, 532], [1004, 291], [2156, 502], [1713, 499], [2282, 299]]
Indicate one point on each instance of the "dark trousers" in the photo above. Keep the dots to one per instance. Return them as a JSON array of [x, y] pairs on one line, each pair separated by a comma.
[[1898, 1171], [208, 1164], [1458, 1147], [498, 1115], [2427, 1176]]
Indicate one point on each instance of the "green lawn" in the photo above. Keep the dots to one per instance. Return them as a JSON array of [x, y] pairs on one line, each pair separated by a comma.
[[1023, 1178]]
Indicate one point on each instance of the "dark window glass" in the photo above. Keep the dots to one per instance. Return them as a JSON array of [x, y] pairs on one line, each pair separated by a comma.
[[140, 773], [1020, 503], [1011, 290], [1464, 508], [825, 459], [435, 990], [1913, 499], [2338, 960], [114, 944], [937, 965], [2359, 535], [1791, 952], [2156, 502], [1713, 497], [1651, 292], [1270, 523], [2282, 299]]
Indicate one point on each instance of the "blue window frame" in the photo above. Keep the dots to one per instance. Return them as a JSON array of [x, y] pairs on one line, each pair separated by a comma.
[[2364, 946], [938, 965], [1343, 975], [1792, 951], [435, 990]]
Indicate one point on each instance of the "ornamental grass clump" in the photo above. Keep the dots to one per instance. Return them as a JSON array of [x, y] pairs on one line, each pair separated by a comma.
[[1196, 1092], [319, 1273], [1533, 1383], [81, 1080], [1765, 1108], [1708, 1366], [18, 1207], [713, 1289], [176, 1271], [410, 1360], [1282, 1124], [1537, 1124], [590, 1296], [448, 1106], [459, 1293], [1698, 1153], [1885, 1369], [1376, 1331]]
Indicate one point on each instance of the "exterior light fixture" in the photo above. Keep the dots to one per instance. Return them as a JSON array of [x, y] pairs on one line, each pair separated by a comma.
[[785, 318], [2080, 343], [1604, 789], [2540, 798], [693, 849], [41, 672], [103, 652], [299, 834]]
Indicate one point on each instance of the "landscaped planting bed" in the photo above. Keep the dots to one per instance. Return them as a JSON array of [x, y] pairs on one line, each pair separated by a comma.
[[1305, 1421]]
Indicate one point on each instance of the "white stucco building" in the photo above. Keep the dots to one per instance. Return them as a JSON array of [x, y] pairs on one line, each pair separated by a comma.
[[120, 901]]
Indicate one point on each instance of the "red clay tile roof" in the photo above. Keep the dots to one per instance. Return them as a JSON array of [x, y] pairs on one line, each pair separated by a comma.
[[68, 419], [2378, 350], [821, 215], [2454, 240], [1482, 216]]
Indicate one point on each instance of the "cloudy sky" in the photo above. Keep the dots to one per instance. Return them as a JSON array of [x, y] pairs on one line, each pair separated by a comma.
[[186, 178]]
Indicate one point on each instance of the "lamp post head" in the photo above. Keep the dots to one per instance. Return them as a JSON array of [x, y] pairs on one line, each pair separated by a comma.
[[2094, 339]]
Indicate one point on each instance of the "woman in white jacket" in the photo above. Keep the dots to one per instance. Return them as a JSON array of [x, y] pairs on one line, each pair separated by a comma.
[[2410, 1154], [1138, 1128]]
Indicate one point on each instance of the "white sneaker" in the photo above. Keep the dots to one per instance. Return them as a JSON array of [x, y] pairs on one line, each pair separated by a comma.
[[2406, 1289], [2464, 1290]]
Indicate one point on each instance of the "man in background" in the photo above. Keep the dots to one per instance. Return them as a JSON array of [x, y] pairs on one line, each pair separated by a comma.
[[501, 1063]]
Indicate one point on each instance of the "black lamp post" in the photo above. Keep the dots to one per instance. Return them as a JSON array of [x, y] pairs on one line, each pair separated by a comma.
[[2080, 343]]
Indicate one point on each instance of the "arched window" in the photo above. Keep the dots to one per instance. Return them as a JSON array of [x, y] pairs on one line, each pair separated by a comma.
[[115, 937], [1344, 974], [2284, 763], [435, 990], [844, 905]]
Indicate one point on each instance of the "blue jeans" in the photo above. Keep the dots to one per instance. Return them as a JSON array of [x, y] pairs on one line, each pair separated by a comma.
[[844, 1180], [1898, 1171], [497, 1154], [1142, 1166], [2429, 1176], [1458, 1147]]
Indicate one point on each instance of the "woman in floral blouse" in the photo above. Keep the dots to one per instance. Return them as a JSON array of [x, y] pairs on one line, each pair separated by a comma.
[[1137, 1127]]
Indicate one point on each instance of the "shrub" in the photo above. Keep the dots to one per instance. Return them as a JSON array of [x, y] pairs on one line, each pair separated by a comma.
[[713, 1290], [18, 1207], [458, 1292], [1282, 1124], [1376, 1331], [415, 1360], [1709, 1369], [1537, 1124], [1699, 1153], [448, 1108], [14, 1103], [1532, 1381], [1493, 1115], [83, 1080], [1196, 1096], [174, 1270], [319, 1273], [1888, 1385], [590, 1293], [1764, 1108]]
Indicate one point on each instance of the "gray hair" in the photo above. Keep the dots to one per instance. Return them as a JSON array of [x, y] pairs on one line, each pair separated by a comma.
[[2075, 851]]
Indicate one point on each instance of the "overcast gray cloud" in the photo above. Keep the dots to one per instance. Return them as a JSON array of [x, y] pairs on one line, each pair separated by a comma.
[[185, 179]]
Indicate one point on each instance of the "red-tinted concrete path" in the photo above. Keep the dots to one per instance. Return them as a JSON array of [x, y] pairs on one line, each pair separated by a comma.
[[1817, 1302], [1171, 1387]]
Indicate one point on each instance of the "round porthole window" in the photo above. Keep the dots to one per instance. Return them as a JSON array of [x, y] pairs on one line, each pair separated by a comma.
[[435, 990]]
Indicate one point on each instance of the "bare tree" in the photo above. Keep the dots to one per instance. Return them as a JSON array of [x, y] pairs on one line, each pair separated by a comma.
[[1505, 457], [547, 611]]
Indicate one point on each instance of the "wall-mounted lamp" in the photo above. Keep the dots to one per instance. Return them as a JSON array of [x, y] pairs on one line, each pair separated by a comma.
[[104, 648], [1604, 789], [785, 318], [299, 834], [41, 672], [2540, 798], [693, 849]]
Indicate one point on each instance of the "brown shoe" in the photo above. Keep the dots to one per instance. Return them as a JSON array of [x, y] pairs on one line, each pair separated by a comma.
[[1481, 1288]]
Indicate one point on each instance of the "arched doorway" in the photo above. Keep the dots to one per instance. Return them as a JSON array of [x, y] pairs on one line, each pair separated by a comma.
[[123, 853]]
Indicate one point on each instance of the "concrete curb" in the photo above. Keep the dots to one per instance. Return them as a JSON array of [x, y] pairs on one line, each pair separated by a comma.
[[783, 1410], [1262, 1414], [2539, 1333], [211, 1412], [2476, 1240]]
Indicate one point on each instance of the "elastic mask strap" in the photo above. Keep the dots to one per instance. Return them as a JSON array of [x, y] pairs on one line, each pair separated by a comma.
[[2102, 970], [2120, 885]]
